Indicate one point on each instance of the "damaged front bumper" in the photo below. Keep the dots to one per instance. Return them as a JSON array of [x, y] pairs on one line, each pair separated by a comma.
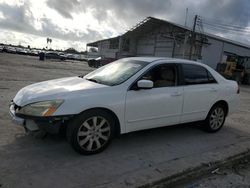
[[15, 119], [51, 125]]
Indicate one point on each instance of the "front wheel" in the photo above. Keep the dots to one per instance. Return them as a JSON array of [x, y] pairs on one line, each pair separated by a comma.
[[215, 118], [91, 132]]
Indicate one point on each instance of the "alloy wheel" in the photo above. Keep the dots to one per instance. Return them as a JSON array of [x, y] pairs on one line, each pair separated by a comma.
[[217, 118], [94, 133]]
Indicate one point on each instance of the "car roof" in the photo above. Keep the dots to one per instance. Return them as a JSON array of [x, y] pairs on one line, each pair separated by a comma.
[[153, 60], [147, 59], [166, 59]]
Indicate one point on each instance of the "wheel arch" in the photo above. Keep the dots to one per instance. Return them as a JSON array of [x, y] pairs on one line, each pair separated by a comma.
[[222, 102], [117, 121]]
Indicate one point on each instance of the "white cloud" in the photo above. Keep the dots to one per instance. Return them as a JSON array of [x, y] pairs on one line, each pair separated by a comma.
[[73, 23], [2, 16]]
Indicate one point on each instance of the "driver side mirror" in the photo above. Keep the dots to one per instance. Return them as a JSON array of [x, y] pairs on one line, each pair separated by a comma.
[[145, 84]]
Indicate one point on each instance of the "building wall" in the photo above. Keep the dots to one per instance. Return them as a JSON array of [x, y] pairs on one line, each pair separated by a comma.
[[236, 49], [166, 41], [155, 45], [160, 43], [212, 54], [145, 45], [132, 46], [171, 41], [104, 51], [163, 46]]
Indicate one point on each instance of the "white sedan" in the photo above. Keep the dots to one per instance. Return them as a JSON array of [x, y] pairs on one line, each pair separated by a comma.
[[127, 95]]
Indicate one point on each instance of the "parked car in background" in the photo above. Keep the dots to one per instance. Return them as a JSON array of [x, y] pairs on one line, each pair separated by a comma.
[[94, 62], [70, 56], [127, 95], [62, 55], [33, 52], [9, 49], [99, 61], [21, 51], [54, 55], [73, 57]]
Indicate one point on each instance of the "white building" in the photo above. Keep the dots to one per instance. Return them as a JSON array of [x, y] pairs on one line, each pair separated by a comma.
[[156, 37]]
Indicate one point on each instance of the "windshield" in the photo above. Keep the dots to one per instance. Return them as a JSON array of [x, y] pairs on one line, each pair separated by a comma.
[[116, 73]]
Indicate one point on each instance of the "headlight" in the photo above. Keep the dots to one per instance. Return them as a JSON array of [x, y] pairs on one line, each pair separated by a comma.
[[45, 108]]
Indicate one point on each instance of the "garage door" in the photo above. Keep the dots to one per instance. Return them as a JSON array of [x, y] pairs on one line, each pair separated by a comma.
[[164, 47], [151, 46], [145, 46]]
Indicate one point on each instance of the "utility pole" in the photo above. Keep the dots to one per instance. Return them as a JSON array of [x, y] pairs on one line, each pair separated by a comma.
[[186, 17], [193, 37], [185, 44]]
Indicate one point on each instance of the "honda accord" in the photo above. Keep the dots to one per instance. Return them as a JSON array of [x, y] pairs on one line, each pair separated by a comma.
[[130, 94]]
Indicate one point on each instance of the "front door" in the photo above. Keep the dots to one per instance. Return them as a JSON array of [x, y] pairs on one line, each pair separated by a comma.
[[159, 106]]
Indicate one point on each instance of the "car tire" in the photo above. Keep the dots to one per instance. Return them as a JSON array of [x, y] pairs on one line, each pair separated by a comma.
[[91, 131], [215, 118]]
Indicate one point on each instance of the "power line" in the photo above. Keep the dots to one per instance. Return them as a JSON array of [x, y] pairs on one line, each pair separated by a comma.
[[220, 22], [226, 30], [219, 26], [227, 26]]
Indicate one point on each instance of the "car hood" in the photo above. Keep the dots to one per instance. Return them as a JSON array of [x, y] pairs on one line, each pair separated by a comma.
[[54, 89]]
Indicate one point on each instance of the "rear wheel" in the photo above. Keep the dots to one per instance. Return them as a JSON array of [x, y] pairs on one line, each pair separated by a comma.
[[215, 119], [91, 132]]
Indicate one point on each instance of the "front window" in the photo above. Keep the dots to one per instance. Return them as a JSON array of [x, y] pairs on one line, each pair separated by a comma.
[[116, 73], [164, 75]]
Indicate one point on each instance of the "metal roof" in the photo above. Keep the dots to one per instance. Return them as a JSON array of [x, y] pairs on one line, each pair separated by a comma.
[[150, 23], [95, 44]]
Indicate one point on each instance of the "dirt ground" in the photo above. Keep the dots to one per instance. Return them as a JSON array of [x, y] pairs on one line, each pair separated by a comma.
[[233, 176], [132, 160]]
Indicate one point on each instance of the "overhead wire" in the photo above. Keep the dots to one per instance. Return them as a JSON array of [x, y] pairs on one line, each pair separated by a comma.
[[220, 26]]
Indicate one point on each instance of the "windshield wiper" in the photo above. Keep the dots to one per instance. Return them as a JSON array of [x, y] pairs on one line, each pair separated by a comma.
[[92, 80], [81, 76]]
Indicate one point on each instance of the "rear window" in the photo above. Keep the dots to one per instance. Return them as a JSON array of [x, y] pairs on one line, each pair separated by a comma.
[[195, 74]]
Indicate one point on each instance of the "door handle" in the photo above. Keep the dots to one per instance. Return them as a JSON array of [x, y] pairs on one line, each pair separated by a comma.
[[176, 94]]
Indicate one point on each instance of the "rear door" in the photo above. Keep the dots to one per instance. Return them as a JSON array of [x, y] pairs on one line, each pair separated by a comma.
[[200, 92]]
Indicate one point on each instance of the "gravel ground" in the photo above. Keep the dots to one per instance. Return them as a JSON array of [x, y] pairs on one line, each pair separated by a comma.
[[235, 176], [132, 160]]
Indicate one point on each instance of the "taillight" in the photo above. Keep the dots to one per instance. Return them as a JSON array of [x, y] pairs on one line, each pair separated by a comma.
[[238, 90]]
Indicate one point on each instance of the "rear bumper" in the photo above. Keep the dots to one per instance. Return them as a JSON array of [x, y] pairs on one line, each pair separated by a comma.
[[233, 104]]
